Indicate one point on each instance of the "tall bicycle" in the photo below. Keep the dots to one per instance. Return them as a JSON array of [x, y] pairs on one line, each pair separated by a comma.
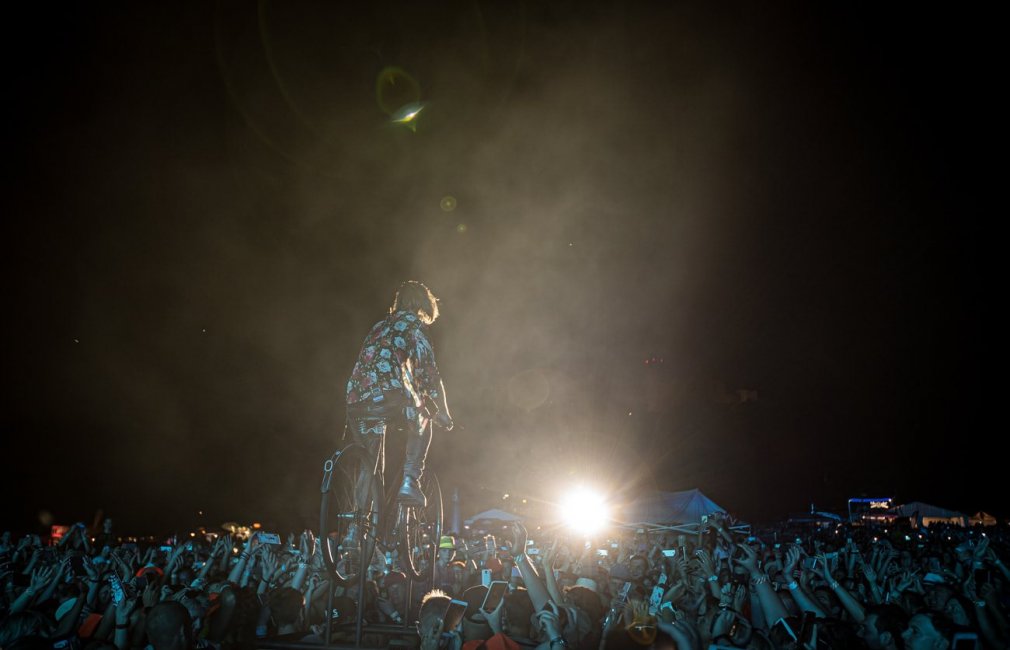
[[355, 493]]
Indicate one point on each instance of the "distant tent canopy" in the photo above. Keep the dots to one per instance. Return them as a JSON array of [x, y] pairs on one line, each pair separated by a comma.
[[923, 514], [494, 514], [982, 518], [817, 517], [685, 507]]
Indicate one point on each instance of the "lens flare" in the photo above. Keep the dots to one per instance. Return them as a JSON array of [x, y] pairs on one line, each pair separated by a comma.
[[584, 510], [408, 113]]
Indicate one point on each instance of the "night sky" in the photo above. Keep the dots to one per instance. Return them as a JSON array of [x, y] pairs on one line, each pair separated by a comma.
[[781, 208]]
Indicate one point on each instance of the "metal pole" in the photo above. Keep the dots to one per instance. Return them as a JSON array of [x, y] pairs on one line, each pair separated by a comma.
[[329, 608]]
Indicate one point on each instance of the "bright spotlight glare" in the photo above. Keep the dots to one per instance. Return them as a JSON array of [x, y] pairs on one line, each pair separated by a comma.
[[584, 510], [407, 113]]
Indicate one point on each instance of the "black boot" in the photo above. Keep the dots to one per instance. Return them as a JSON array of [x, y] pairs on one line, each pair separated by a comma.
[[410, 492]]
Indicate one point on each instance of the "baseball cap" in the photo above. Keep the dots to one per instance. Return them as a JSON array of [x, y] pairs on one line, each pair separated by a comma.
[[447, 542], [149, 567]]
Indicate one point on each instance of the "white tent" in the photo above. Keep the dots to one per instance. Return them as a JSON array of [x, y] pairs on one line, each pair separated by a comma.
[[923, 514], [494, 514], [983, 518]]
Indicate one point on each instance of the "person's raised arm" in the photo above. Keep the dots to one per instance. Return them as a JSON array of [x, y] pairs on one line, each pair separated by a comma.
[[107, 626], [22, 551], [35, 557], [494, 617], [236, 571], [684, 634], [85, 540], [535, 587], [40, 578], [227, 544], [994, 560], [715, 522], [201, 578], [549, 578], [994, 636], [999, 620], [50, 588], [93, 581], [771, 604], [871, 580], [850, 604], [267, 574], [123, 610], [803, 600], [549, 625], [305, 546], [250, 565]]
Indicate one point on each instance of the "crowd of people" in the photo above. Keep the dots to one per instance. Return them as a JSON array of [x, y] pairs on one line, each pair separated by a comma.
[[718, 585]]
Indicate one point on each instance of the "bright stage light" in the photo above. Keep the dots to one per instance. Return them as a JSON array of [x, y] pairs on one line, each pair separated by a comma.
[[584, 511]]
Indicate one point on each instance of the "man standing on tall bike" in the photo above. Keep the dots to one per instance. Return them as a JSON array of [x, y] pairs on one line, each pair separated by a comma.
[[396, 382]]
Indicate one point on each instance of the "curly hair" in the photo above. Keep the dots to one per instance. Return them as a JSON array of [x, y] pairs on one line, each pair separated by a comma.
[[416, 298]]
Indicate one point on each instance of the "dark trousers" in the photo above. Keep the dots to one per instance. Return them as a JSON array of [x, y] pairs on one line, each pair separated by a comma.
[[371, 423]]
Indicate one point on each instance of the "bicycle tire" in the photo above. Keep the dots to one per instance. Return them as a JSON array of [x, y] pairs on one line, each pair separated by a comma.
[[338, 506], [421, 532]]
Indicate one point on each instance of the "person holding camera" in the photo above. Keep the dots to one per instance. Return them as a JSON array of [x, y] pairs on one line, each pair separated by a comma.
[[395, 381]]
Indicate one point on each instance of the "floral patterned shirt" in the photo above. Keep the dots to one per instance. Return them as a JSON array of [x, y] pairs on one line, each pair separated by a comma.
[[396, 357]]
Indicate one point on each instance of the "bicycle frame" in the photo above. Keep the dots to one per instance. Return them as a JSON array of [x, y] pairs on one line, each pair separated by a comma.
[[388, 521]]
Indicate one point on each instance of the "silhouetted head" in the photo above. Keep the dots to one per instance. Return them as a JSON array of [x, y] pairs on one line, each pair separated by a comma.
[[414, 297]]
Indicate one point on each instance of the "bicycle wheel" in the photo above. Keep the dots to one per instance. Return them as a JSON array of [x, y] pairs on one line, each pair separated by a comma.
[[349, 492], [421, 530]]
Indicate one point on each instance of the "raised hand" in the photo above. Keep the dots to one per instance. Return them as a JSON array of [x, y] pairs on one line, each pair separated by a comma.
[[519, 538], [871, 575], [547, 559], [791, 560], [705, 562], [91, 570], [980, 549], [903, 581], [23, 543], [494, 617], [675, 592], [317, 556], [172, 565], [681, 562], [303, 546], [749, 560], [41, 577], [315, 546], [969, 588], [269, 567], [124, 609], [822, 561]]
